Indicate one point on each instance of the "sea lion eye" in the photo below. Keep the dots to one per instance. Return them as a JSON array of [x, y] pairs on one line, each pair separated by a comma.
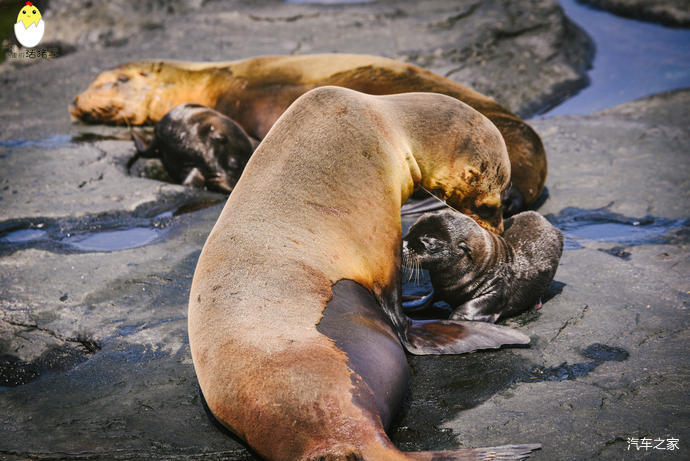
[[233, 163], [123, 79]]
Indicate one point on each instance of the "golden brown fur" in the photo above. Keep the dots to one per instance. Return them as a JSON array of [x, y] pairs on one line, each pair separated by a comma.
[[255, 92], [298, 264]]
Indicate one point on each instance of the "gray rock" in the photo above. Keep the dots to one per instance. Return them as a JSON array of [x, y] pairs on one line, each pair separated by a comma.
[[673, 13]]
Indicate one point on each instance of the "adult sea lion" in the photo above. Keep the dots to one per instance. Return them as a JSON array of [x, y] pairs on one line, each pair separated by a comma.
[[295, 323], [485, 276], [198, 147], [255, 92]]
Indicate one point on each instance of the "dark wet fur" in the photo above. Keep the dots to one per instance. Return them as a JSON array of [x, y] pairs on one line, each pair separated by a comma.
[[199, 147], [484, 276]]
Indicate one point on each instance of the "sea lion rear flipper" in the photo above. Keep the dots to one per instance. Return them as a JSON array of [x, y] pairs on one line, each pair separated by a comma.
[[434, 337], [504, 452]]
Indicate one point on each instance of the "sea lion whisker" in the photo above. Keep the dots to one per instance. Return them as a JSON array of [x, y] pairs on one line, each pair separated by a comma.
[[439, 199]]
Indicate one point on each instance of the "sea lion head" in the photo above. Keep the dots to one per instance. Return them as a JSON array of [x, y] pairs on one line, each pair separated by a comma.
[[445, 240], [197, 137], [128, 94], [472, 177]]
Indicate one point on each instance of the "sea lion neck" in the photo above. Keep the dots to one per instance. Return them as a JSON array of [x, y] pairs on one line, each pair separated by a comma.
[[175, 84]]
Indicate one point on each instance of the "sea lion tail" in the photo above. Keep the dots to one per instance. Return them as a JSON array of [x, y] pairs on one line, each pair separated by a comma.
[[504, 452], [434, 337]]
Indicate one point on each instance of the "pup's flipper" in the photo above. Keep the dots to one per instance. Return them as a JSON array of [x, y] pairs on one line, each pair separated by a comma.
[[417, 303], [435, 337]]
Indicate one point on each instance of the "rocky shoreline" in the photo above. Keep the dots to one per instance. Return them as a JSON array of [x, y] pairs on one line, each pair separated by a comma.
[[94, 358]]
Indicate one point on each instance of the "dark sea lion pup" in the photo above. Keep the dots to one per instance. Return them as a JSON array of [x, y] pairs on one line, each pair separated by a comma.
[[199, 147], [484, 276], [295, 324]]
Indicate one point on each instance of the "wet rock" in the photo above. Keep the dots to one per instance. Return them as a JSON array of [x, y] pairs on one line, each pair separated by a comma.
[[629, 158], [673, 13]]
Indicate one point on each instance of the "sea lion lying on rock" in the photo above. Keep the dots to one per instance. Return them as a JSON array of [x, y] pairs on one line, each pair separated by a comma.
[[295, 323], [484, 276], [255, 92]]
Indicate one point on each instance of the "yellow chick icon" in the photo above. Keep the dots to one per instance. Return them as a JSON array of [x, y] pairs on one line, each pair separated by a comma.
[[30, 27]]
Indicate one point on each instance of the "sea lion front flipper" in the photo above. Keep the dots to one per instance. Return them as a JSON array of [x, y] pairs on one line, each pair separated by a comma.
[[417, 303], [143, 150], [194, 179], [435, 337]]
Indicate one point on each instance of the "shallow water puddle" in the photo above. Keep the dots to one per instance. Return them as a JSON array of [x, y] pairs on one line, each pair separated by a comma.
[[113, 240], [24, 236], [601, 225], [99, 234], [56, 140]]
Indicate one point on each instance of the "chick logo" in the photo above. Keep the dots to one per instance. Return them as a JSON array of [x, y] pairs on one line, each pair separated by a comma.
[[30, 27]]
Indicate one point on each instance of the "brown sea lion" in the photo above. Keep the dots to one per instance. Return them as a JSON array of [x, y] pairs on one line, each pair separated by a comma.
[[255, 92], [295, 322], [198, 147], [484, 276]]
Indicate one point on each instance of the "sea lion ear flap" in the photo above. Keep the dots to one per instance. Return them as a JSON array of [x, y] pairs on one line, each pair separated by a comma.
[[435, 337]]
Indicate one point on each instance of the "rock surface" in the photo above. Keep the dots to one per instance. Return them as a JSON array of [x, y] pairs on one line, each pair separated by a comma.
[[94, 358], [674, 13]]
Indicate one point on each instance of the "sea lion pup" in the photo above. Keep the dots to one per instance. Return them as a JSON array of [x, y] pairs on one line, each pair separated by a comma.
[[198, 147], [484, 276], [255, 92], [295, 322]]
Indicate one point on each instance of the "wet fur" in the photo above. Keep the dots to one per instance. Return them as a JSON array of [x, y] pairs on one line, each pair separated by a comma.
[[255, 92], [484, 276]]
